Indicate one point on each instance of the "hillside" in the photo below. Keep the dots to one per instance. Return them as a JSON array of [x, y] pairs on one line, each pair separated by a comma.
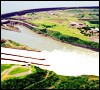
[[43, 79]]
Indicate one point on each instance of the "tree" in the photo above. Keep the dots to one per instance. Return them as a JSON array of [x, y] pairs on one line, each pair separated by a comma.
[[87, 28]]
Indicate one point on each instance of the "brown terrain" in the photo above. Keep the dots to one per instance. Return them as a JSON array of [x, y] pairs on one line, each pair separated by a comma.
[[94, 38]]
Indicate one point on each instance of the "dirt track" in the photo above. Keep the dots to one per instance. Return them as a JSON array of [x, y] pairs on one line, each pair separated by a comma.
[[7, 71]]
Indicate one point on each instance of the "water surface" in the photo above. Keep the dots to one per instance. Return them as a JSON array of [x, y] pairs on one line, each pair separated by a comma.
[[64, 59]]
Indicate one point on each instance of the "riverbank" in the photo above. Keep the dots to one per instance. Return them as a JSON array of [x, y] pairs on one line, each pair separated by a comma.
[[11, 44], [87, 47], [62, 38], [10, 28], [79, 45]]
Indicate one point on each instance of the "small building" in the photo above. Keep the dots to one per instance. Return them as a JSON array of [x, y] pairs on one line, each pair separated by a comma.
[[76, 24], [97, 29], [94, 31], [51, 13]]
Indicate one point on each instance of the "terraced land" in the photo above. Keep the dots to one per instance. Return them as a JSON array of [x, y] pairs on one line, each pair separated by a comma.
[[44, 79]]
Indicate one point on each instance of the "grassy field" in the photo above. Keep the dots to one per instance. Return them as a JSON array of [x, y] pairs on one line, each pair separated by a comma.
[[33, 69], [60, 20], [18, 70], [62, 28], [15, 71], [5, 66]]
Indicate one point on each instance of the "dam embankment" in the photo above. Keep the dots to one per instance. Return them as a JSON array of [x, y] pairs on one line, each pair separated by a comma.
[[3, 16]]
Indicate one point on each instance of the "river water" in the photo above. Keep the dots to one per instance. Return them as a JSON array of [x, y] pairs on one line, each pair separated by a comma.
[[65, 59]]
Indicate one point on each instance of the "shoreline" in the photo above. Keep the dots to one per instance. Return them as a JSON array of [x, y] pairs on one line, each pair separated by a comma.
[[12, 30], [79, 45], [21, 49]]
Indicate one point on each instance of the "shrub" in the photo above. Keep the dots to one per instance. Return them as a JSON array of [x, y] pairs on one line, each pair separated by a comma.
[[57, 33], [3, 44], [17, 83], [43, 30]]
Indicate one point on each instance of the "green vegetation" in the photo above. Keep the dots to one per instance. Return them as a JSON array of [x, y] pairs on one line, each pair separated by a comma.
[[10, 27], [67, 38], [93, 21], [56, 24], [3, 44], [33, 69], [5, 66], [77, 83], [94, 10], [12, 44], [44, 83], [29, 79], [43, 79], [81, 15], [18, 70]]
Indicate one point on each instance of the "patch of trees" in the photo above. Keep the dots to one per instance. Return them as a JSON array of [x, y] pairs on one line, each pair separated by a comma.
[[67, 38], [84, 31], [48, 26], [14, 43], [94, 10], [38, 81], [93, 14], [93, 21], [44, 83], [81, 15], [3, 44], [31, 14], [17, 83], [77, 83]]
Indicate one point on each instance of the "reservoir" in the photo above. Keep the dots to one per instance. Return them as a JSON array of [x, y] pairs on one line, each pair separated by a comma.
[[65, 59]]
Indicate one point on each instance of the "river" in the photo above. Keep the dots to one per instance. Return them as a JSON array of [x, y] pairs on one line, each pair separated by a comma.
[[65, 59]]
